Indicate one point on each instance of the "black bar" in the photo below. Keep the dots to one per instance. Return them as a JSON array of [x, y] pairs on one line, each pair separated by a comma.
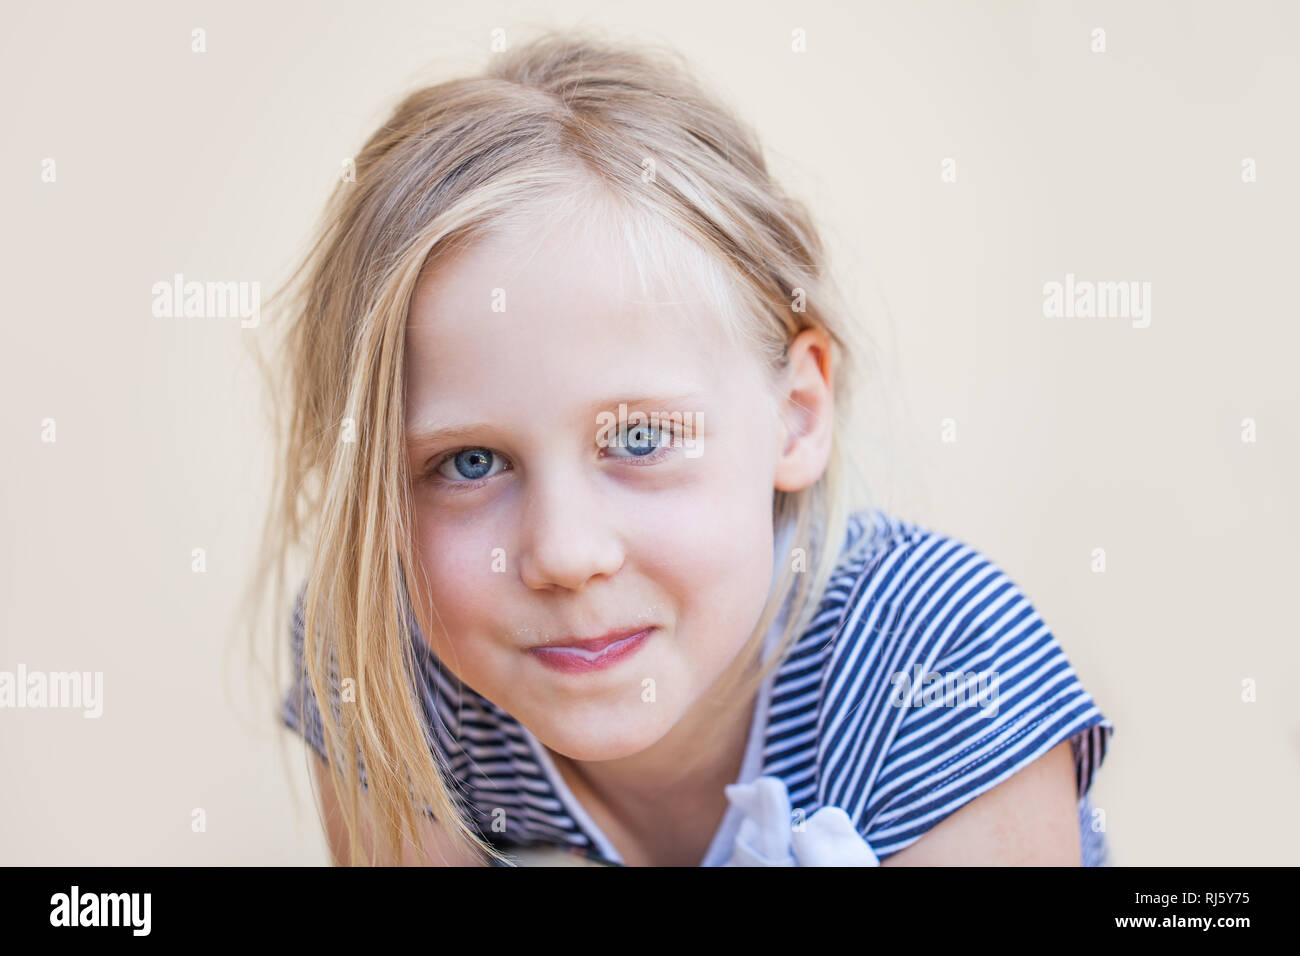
[[327, 905]]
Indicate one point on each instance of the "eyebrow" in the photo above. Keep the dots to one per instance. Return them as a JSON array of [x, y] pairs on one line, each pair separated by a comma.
[[433, 432]]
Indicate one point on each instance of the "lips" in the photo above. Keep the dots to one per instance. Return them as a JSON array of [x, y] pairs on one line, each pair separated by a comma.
[[596, 644], [577, 656]]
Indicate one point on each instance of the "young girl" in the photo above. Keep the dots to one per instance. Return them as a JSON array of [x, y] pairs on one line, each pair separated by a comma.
[[563, 379]]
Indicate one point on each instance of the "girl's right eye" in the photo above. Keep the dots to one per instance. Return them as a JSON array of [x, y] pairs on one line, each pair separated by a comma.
[[468, 466]]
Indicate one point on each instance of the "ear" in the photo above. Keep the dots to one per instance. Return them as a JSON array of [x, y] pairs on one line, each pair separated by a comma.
[[807, 412]]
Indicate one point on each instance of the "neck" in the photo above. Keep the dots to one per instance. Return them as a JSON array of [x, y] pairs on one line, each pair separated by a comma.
[[659, 788]]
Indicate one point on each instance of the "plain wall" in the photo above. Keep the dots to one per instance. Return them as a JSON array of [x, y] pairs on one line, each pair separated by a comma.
[[1071, 434]]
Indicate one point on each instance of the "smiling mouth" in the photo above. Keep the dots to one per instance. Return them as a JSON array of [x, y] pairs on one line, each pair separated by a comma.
[[598, 654]]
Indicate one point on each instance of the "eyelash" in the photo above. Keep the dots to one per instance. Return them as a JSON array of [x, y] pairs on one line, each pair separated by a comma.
[[430, 473]]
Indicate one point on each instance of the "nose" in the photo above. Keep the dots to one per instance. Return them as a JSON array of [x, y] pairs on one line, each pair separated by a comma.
[[567, 539]]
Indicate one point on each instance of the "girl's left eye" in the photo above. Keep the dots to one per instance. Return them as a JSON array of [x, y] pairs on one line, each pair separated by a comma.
[[644, 440]]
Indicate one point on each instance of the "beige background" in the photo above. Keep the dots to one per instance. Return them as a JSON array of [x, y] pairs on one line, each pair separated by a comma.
[[1072, 434]]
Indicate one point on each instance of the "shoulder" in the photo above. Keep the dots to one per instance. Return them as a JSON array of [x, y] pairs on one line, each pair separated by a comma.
[[442, 701], [941, 681], [299, 707], [910, 589]]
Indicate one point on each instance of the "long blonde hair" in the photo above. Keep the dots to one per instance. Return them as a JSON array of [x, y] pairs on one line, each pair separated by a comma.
[[581, 123]]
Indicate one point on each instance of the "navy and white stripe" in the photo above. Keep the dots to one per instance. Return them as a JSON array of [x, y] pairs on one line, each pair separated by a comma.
[[903, 599]]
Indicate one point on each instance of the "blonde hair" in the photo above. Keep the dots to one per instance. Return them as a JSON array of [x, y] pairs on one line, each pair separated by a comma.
[[619, 136]]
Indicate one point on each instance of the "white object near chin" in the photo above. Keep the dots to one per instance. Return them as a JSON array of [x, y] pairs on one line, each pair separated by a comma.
[[767, 838]]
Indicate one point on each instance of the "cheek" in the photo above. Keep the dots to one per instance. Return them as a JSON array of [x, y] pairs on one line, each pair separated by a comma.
[[457, 563], [715, 553]]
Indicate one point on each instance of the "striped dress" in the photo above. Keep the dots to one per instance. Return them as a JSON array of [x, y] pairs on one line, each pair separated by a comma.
[[925, 679]]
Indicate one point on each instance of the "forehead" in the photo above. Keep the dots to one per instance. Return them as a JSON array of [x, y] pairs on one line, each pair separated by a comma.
[[554, 313]]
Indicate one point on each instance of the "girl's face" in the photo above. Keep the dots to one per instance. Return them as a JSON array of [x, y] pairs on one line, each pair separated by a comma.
[[536, 526]]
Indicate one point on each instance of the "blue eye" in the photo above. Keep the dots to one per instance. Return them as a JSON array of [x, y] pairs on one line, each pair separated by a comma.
[[471, 464], [643, 440]]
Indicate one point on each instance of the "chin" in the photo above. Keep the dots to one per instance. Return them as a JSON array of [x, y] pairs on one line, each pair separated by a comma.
[[607, 737]]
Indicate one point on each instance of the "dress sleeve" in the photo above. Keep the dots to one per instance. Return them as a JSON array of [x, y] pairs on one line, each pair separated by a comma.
[[978, 688]]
